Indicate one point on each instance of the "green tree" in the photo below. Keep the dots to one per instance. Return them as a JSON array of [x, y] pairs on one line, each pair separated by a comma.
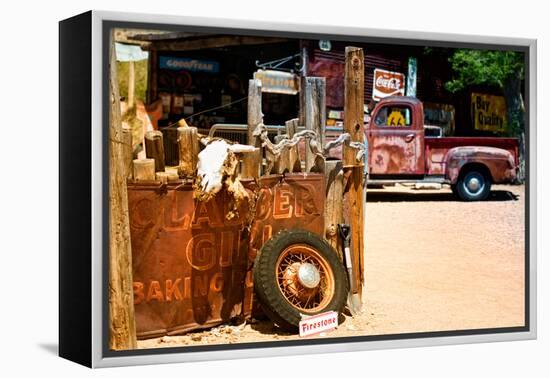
[[503, 69]]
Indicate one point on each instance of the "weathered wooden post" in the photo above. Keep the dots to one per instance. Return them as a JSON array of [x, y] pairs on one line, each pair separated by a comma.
[[144, 169], [122, 327], [253, 160], [128, 151], [188, 147], [154, 147], [353, 169], [131, 84], [314, 95], [294, 158], [334, 181]]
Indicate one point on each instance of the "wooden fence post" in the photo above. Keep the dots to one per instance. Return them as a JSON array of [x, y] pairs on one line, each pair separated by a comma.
[[131, 84], [294, 157], [315, 117], [144, 169], [128, 151], [188, 147], [122, 327], [255, 117], [334, 178], [353, 170], [154, 147]]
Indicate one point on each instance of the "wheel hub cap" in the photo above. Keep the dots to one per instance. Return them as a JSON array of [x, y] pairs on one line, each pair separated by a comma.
[[308, 275], [474, 184]]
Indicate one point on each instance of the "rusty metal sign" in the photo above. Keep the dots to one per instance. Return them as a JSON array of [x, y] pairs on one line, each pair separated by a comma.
[[189, 261], [387, 83], [192, 267], [292, 201], [278, 81]]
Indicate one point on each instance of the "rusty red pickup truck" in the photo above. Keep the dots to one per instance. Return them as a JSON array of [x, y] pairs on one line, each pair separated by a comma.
[[401, 150]]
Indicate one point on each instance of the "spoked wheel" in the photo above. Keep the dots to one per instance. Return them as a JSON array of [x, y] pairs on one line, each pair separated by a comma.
[[298, 273], [304, 278]]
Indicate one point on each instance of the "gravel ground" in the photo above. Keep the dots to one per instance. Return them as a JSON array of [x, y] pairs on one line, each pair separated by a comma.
[[433, 264]]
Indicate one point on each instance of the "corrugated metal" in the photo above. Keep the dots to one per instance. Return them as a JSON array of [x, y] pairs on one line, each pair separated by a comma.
[[373, 59]]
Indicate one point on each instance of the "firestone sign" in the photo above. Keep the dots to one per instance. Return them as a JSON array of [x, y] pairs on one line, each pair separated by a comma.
[[387, 83]]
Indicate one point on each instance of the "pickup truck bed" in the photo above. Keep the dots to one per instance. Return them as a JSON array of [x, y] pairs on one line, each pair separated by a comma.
[[436, 149]]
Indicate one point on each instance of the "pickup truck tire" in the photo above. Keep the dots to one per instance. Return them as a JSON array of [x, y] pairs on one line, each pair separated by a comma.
[[298, 273], [473, 185], [454, 189]]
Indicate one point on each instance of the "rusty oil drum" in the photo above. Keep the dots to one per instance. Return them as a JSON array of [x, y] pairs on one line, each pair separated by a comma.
[[192, 267]]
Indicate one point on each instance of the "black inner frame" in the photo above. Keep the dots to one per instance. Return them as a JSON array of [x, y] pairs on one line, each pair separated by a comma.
[[108, 25]]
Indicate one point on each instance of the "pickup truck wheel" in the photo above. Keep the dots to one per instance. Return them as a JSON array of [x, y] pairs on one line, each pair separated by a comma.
[[473, 186], [298, 273], [454, 189]]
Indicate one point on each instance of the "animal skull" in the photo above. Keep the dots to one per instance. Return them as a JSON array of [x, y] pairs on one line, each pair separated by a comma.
[[217, 161]]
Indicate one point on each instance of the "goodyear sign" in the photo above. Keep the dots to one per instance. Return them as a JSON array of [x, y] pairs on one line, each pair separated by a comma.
[[489, 112], [188, 64]]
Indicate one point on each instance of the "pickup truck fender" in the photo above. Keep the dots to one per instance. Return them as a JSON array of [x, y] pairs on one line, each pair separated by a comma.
[[499, 163]]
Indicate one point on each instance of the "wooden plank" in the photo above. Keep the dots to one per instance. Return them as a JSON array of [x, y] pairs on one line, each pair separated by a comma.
[[210, 43], [188, 147], [353, 170], [295, 164], [122, 326], [255, 117], [315, 118], [334, 189], [154, 148]]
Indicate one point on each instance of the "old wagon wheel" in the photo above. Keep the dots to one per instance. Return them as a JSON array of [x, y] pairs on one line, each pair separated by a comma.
[[298, 273]]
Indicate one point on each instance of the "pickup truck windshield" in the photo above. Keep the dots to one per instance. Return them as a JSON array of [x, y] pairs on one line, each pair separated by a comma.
[[393, 116]]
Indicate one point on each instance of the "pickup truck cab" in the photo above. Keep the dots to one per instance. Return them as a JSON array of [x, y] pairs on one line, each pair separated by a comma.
[[399, 151]]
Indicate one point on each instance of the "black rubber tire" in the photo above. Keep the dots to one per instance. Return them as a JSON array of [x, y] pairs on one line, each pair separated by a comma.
[[272, 301], [467, 195], [454, 189]]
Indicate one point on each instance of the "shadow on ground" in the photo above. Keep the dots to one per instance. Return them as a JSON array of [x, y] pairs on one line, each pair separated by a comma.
[[435, 196], [51, 348]]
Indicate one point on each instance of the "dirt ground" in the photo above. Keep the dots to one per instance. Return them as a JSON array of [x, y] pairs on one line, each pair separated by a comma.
[[433, 263]]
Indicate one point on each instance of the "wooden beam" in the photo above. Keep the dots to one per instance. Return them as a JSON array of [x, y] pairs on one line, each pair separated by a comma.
[[353, 170], [210, 43], [315, 119], [122, 327]]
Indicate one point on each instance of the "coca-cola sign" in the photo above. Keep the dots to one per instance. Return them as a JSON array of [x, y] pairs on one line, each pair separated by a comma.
[[387, 83]]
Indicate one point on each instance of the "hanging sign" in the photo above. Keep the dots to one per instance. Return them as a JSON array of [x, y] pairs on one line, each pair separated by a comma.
[[489, 112], [188, 64], [387, 83], [278, 82]]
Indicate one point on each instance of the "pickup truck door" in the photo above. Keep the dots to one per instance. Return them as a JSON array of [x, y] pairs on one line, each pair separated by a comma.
[[395, 141]]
